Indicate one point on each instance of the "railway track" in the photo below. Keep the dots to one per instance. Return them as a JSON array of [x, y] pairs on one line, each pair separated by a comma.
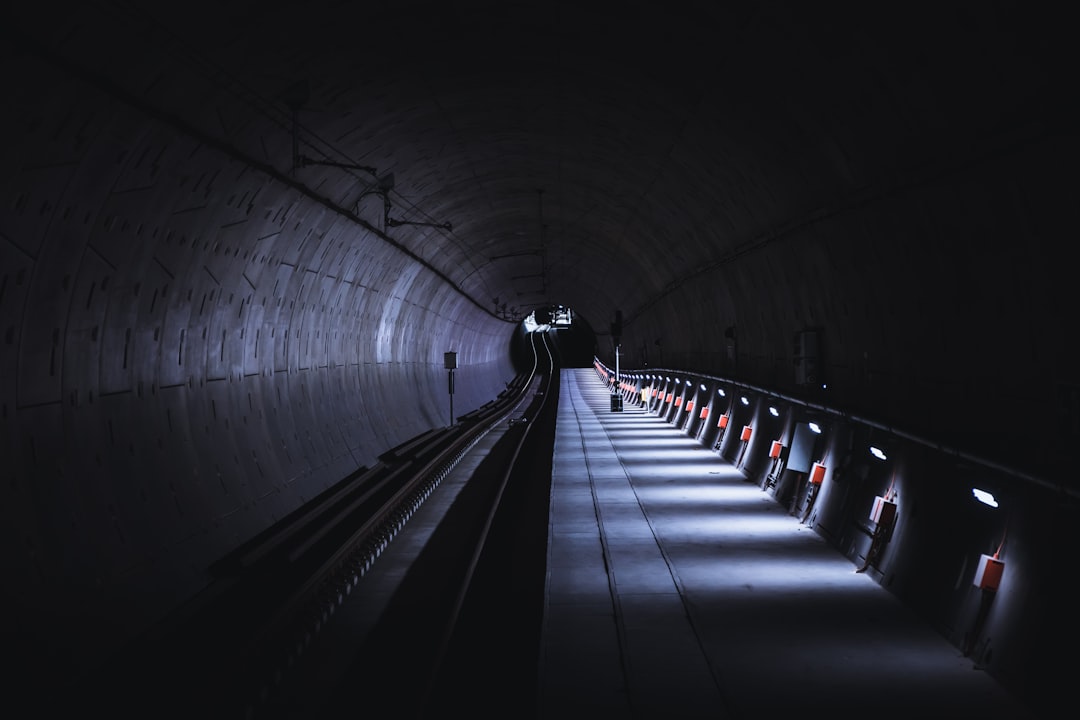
[[233, 651]]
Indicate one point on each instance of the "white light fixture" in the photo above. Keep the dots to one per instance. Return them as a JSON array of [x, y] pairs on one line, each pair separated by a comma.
[[720, 392], [774, 412], [744, 400], [815, 428], [878, 453], [984, 497], [702, 387]]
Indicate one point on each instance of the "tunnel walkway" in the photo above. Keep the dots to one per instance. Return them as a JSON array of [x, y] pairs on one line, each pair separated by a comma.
[[676, 588]]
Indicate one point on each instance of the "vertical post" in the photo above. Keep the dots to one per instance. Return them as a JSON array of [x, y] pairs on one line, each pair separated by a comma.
[[616, 337], [450, 363], [451, 396]]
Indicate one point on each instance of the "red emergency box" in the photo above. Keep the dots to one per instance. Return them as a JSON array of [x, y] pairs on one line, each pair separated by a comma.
[[988, 573], [883, 512]]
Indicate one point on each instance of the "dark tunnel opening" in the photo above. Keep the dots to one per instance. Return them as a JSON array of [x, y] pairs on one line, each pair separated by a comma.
[[573, 345]]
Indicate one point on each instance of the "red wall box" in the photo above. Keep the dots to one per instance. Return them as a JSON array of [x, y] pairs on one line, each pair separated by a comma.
[[704, 412], [678, 401], [883, 511], [817, 473], [746, 432], [988, 573], [774, 450], [690, 406], [723, 421]]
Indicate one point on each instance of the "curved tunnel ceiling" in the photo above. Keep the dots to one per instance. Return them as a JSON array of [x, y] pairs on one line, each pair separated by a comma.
[[600, 156], [202, 282]]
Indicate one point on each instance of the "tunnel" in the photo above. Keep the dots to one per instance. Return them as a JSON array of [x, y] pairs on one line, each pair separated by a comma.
[[238, 239]]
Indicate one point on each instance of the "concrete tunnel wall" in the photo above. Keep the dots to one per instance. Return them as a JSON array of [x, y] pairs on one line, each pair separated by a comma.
[[192, 348], [945, 282]]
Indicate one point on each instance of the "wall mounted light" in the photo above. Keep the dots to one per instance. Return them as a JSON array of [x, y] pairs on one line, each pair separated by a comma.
[[878, 453], [720, 392], [702, 387], [984, 497], [814, 428], [774, 412], [744, 400]]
